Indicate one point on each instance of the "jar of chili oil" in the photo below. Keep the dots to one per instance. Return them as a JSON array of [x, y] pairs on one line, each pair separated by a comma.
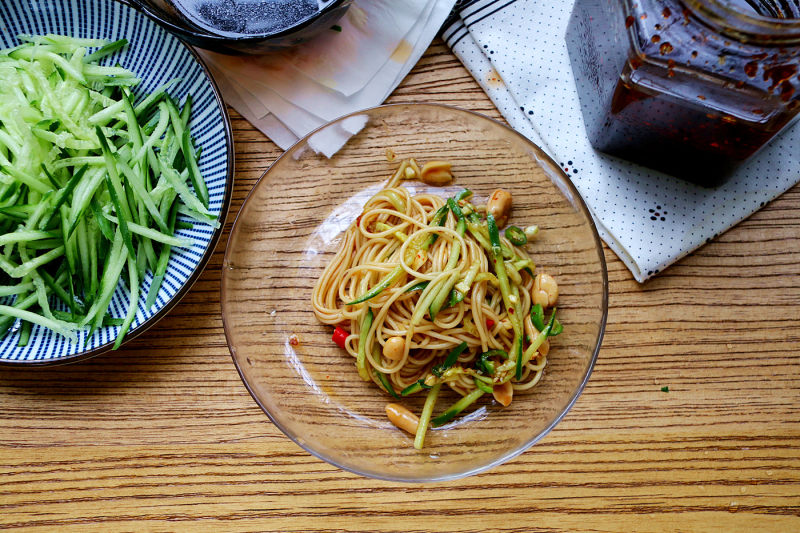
[[689, 87]]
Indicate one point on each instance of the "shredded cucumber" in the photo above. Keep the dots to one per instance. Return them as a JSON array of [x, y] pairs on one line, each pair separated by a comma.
[[92, 176]]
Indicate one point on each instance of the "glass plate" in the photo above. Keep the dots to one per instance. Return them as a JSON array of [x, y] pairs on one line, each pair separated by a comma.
[[291, 225]]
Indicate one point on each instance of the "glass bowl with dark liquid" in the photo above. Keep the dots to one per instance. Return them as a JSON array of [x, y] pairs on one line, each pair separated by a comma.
[[243, 26], [689, 87]]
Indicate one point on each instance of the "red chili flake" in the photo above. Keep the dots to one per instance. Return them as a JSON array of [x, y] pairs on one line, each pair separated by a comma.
[[511, 311], [340, 336], [358, 220], [293, 340], [787, 90], [778, 74], [489, 323]]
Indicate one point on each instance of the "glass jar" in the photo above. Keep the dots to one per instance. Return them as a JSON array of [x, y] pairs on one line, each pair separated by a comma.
[[689, 87]]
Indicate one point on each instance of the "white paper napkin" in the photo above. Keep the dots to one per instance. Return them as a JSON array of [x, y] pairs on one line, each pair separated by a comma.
[[354, 66], [516, 51]]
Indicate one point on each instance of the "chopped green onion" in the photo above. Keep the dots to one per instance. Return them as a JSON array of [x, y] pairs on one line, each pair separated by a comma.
[[516, 236], [463, 195], [485, 365], [537, 316]]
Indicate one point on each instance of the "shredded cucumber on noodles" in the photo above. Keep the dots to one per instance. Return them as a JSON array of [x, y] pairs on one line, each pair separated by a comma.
[[92, 177], [425, 293]]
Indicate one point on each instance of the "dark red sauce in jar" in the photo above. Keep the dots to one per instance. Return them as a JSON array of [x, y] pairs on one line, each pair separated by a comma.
[[689, 87]]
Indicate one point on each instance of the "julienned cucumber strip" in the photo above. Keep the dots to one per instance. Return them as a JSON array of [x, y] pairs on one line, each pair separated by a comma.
[[185, 145], [161, 264], [105, 50], [133, 299], [59, 326], [456, 408], [93, 179], [155, 235]]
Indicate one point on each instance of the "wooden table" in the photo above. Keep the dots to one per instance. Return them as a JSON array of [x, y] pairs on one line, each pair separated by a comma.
[[162, 435]]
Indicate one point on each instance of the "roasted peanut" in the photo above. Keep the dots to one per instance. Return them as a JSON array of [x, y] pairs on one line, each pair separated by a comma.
[[545, 290], [503, 393], [436, 173], [499, 206], [402, 417], [394, 348]]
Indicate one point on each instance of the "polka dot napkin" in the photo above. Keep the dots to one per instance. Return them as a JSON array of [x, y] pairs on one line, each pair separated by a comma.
[[516, 50]]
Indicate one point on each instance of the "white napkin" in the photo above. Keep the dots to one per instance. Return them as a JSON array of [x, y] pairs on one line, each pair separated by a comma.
[[516, 51], [355, 65]]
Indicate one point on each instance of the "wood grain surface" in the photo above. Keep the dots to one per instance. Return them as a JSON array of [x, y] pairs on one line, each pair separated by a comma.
[[163, 436]]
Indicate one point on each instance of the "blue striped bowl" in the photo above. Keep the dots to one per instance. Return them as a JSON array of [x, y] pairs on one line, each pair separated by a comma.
[[157, 57]]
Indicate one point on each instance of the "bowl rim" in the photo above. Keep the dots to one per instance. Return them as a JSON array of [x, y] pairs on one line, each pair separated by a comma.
[[201, 264], [222, 39], [503, 457]]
